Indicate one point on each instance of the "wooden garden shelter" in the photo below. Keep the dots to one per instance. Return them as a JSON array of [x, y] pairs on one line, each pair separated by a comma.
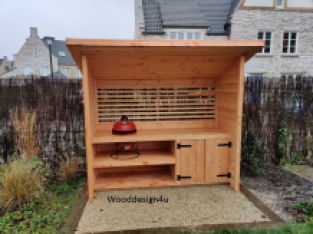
[[185, 98]]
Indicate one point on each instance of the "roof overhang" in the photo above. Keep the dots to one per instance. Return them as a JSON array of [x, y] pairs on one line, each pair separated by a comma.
[[144, 59]]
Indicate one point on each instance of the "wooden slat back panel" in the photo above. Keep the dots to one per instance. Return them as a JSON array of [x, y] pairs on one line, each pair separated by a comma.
[[105, 126], [156, 103]]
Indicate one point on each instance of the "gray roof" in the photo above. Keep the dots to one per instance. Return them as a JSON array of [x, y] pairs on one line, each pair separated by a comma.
[[57, 75], [60, 46], [1, 61], [212, 14]]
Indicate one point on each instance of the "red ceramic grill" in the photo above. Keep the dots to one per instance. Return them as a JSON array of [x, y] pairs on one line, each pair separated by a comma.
[[125, 149], [124, 126]]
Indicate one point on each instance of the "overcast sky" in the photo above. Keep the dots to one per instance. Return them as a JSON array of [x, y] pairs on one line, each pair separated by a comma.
[[107, 19]]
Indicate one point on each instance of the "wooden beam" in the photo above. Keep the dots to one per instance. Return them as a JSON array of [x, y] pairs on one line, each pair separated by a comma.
[[161, 43], [90, 151], [236, 176]]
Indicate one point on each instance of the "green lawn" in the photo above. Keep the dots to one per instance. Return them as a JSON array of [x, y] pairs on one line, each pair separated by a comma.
[[47, 214], [289, 229]]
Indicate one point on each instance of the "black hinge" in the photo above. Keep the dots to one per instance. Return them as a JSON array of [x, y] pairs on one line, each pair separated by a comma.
[[226, 144], [183, 146], [179, 177], [228, 175]]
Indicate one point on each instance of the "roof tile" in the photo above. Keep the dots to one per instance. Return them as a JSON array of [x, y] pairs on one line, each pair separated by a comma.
[[212, 14], [60, 46]]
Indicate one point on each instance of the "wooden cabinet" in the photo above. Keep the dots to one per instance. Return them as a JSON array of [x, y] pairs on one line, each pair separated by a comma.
[[203, 161], [191, 156], [216, 153]]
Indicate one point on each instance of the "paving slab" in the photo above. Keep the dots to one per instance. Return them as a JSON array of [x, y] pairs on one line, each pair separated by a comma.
[[304, 171], [188, 207]]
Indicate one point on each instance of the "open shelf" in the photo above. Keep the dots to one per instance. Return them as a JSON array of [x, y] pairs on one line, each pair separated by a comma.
[[146, 157], [159, 134], [133, 179]]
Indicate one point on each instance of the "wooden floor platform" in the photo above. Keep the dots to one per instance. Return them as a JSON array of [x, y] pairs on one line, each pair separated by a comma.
[[134, 179]]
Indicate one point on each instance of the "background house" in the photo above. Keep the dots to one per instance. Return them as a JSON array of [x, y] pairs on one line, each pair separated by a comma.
[[34, 59], [5, 65], [285, 25], [183, 19], [287, 28]]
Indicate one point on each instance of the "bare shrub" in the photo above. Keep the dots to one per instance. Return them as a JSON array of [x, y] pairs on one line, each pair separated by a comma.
[[70, 166], [21, 182], [24, 124]]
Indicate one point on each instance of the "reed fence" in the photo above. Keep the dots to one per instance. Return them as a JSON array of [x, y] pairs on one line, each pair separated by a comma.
[[270, 104], [279, 111], [59, 115]]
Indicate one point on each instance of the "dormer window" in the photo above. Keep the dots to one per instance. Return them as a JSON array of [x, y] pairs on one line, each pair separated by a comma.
[[61, 53], [279, 3], [185, 35]]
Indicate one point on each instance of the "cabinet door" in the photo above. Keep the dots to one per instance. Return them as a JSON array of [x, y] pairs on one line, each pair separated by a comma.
[[191, 158], [216, 160]]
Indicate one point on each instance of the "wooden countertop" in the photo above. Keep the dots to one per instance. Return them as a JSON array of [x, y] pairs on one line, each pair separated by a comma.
[[159, 135]]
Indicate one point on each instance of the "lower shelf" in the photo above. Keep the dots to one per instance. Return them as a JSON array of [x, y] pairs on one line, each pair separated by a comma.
[[147, 157], [134, 179]]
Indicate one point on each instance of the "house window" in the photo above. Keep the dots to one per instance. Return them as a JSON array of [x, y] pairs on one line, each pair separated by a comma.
[[28, 70], [66, 71], [185, 36], [61, 53], [290, 43], [279, 3], [45, 70], [267, 37], [35, 52], [78, 73]]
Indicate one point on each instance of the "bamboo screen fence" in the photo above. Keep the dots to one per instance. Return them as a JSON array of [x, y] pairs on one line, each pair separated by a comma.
[[268, 105]]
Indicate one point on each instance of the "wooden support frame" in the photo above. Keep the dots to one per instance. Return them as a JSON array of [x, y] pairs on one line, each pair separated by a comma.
[[111, 66], [230, 88]]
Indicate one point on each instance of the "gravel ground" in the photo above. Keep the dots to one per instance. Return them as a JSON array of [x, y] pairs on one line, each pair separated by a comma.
[[186, 207], [279, 190]]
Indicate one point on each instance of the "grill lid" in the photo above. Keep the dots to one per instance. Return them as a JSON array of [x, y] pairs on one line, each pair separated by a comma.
[[124, 126]]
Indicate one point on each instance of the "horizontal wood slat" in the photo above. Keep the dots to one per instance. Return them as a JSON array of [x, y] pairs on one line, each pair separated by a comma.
[[156, 104], [157, 125], [119, 84], [162, 109], [170, 117], [153, 100], [163, 104]]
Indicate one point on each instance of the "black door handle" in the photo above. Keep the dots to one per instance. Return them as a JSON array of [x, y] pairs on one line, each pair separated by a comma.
[[183, 146], [179, 177]]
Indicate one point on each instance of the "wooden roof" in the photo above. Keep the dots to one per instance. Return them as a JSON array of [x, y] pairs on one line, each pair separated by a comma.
[[163, 59]]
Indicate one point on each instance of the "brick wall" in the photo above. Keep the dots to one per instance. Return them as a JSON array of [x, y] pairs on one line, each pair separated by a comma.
[[245, 25]]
